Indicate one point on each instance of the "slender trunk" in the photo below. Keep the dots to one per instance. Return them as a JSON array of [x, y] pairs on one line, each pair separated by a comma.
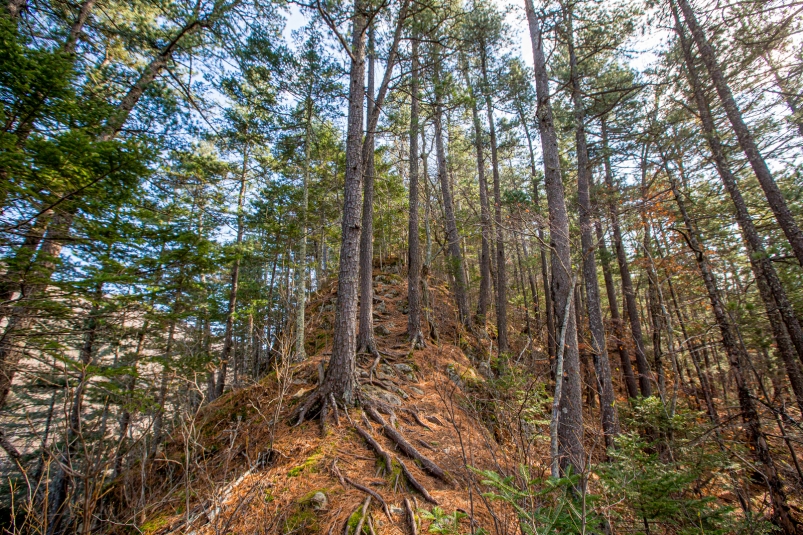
[[542, 249], [340, 378], [653, 300], [570, 428], [413, 246], [631, 307], [775, 198], [483, 301], [501, 269], [301, 274], [607, 397], [365, 339], [455, 257], [736, 353], [616, 318], [234, 285], [776, 299]]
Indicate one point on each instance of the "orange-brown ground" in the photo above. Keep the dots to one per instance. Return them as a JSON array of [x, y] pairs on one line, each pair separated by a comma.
[[251, 471]]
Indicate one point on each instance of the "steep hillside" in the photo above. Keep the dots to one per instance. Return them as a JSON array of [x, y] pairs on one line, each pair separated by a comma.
[[243, 466]]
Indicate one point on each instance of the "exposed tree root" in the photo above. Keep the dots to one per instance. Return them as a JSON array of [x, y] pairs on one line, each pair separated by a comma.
[[415, 483], [363, 515], [410, 517], [388, 460], [343, 480], [408, 448], [384, 455]]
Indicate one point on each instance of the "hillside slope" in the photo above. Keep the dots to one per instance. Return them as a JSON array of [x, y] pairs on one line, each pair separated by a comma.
[[243, 467]]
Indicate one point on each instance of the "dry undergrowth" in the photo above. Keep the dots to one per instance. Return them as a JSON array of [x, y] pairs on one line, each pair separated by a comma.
[[247, 469]]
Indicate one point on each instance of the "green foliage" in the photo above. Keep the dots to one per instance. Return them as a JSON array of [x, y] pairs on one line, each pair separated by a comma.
[[442, 522]]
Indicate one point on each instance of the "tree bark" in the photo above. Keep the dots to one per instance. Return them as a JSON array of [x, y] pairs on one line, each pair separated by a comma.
[[746, 141], [484, 298], [365, 339], [340, 378], [607, 397], [501, 268], [413, 245], [570, 429], [631, 306], [234, 285], [455, 256]]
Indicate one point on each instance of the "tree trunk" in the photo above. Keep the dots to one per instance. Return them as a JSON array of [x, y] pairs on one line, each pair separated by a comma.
[[748, 145], [570, 429], [501, 269], [301, 269], [455, 257], [616, 318], [340, 378], [413, 246], [631, 307], [228, 337], [542, 250], [365, 340], [736, 354], [484, 298], [607, 397]]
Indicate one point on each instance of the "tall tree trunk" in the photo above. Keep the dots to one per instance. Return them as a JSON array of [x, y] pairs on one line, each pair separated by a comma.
[[483, 301], [501, 269], [653, 300], [365, 339], [631, 307], [759, 259], [455, 257], [736, 353], [340, 378], [234, 285], [413, 246], [570, 428], [301, 269], [746, 141], [542, 250], [616, 317], [607, 397]]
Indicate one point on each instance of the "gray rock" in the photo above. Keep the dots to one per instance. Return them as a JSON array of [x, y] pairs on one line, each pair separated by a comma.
[[394, 510], [383, 395], [381, 330], [404, 368], [319, 501], [415, 390], [387, 370]]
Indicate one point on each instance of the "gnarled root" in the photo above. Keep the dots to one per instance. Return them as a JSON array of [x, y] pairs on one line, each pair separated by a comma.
[[409, 450], [343, 480]]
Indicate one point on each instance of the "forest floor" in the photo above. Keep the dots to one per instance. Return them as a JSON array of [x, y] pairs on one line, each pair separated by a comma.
[[242, 466]]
